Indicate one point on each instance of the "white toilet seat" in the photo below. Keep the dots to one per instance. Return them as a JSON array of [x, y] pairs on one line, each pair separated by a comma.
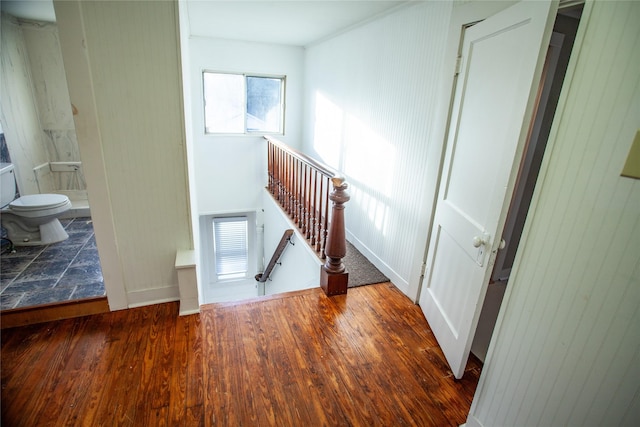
[[39, 205]]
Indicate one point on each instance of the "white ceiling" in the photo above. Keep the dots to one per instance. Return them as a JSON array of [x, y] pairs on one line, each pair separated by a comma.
[[292, 22]]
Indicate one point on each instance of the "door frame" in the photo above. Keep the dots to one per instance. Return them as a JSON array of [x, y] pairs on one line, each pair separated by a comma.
[[78, 71]]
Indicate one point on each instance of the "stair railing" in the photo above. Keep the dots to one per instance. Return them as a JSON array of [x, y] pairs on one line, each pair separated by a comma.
[[303, 187], [286, 239], [300, 185]]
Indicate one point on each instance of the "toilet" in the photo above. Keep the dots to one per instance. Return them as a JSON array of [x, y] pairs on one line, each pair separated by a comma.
[[30, 220]]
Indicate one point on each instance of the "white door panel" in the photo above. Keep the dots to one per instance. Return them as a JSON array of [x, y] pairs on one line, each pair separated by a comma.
[[462, 231], [446, 297], [489, 123]]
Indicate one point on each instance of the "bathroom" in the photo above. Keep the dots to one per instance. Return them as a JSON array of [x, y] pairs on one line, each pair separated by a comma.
[[38, 137]]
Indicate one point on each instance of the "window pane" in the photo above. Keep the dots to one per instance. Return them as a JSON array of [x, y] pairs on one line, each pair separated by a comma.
[[231, 246], [264, 110], [223, 100]]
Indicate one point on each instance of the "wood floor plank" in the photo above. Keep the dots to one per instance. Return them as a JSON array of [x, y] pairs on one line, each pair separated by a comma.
[[77, 363], [392, 375], [209, 361], [195, 364], [49, 381], [94, 353], [162, 370], [225, 385], [178, 378], [153, 397], [260, 385], [367, 358], [25, 392], [119, 404], [353, 380], [94, 405], [323, 399]]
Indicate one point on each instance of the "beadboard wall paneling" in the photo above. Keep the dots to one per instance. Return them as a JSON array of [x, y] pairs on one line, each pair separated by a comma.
[[567, 350], [371, 95], [134, 59]]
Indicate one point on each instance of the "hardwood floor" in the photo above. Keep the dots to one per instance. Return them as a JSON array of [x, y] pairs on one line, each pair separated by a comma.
[[301, 359]]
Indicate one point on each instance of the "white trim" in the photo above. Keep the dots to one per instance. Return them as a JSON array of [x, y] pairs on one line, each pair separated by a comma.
[[283, 84], [207, 265], [472, 422], [153, 296], [190, 312], [78, 72]]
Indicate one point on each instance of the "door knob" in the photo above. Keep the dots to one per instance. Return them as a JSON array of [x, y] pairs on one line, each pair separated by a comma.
[[478, 241]]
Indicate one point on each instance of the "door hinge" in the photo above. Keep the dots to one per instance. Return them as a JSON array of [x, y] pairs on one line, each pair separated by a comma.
[[459, 62], [423, 269]]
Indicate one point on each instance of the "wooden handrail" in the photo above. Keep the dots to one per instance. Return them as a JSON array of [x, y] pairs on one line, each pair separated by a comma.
[[327, 170], [303, 187], [286, 238]]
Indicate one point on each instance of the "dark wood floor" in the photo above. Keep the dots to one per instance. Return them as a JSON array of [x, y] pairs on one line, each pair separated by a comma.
[[302, 359]]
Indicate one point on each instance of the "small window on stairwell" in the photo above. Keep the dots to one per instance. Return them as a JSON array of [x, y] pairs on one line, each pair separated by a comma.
[[231, 247], [243, 104]]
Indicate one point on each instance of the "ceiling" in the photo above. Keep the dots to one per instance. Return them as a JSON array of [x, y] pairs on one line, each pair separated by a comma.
[[297, 23], [292, 22]]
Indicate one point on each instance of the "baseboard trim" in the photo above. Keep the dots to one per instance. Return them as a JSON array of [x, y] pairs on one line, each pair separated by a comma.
[[189, 312], [153, 296], [49, 312]]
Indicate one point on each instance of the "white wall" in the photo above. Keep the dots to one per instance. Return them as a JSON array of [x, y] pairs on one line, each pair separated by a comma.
[[122, 61], [300, 268], [230, 171], [373, 111], [19, 113], [566, 348]]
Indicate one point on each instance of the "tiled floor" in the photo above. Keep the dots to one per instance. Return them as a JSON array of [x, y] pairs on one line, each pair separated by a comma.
[[64, 271]]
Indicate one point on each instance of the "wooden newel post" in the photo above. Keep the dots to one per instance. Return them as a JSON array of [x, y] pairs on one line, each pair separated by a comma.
[[333, 276]]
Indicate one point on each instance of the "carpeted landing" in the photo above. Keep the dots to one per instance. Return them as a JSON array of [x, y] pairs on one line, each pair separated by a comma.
[[361, 271]]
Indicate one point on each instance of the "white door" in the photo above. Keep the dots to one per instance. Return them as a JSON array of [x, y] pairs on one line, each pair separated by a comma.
[[495, 93]]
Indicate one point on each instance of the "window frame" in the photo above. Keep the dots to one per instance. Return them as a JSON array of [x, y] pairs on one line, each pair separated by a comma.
[[207, 254], [246, 132]]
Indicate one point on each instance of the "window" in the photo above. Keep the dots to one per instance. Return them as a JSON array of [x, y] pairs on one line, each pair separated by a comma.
[[241, 103], [231, 247]]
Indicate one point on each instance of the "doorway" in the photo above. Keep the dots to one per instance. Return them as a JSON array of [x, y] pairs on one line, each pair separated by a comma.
[[41, 143], [557, 61]]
